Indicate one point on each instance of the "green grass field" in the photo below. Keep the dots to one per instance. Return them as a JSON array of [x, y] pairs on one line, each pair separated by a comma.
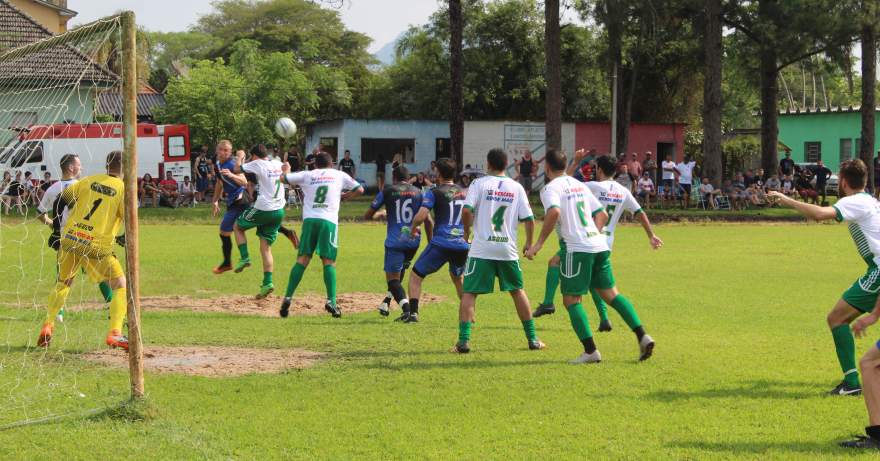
[[741, 368]]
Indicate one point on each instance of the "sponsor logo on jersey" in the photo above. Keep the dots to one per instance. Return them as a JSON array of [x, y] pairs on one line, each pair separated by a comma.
[[102, 189], [498, 239], [500, 196]]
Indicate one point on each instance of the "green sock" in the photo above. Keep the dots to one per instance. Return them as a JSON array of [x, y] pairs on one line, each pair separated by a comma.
[[106, 292], [267, 278], [296, 276], [601, 307], [529, 328], [330, 282], [579, 321], [242, 249], [627, 311], [846, 353], [551, 284], [464, 332]]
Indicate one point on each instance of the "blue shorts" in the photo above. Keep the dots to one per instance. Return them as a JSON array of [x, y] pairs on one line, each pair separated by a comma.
[[201, 184], [232, 213], [397, 260], [434, 257]]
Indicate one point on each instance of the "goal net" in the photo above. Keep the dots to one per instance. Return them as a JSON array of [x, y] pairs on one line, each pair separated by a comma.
[[53, 102]]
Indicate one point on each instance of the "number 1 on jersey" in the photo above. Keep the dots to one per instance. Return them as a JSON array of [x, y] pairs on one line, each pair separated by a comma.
[[95, 206]]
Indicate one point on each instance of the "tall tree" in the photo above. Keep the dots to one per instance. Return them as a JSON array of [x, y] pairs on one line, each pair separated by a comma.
[[781, 33], [456, 82], [869, 82], [712, 48], [553, 74]]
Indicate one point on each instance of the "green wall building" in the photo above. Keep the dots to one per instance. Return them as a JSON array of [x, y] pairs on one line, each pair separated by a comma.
[[830, 135]]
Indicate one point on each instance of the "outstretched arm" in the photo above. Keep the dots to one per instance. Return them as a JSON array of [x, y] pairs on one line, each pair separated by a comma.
[[655, 241], [579, 155], [818, 213], [356, 192]]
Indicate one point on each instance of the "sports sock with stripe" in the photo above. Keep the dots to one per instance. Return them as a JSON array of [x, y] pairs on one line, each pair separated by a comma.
[[330, 282], [106, 292], [296, 275], [845, 345], [550, 284]]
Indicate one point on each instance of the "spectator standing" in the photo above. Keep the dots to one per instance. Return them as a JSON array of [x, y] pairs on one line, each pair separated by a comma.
[[786, 165], [294, 159], [624, 178], [686, 179], [421, 181], [347, 164], [310, 159], [650, 166], [526, 170], [380, 170], [646, 189], [432, 172], [203, 171], [12, 192], [584, 171], [169, 189], [396, 162], [822, 175], [634, 166], [668, 183], [45, 184]]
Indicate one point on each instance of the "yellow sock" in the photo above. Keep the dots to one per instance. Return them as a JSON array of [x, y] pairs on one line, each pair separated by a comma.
[[117, 308], [56, 301]]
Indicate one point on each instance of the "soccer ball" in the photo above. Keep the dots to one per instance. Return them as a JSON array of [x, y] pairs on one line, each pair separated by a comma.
[[285, 128]]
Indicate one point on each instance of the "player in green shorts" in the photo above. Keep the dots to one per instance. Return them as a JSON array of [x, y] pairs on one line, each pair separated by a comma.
[[494, 207], [862, 214], [323, 189], [577, 215], [265, 214]]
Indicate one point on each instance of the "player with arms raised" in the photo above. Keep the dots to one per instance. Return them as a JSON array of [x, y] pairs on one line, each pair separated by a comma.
[[96, 212], [236, 200], [265, 214], [322, 192], [447, 244], [494, 206], [862, 214], [401, 200]]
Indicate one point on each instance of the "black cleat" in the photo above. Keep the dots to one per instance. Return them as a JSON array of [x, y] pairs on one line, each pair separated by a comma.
[[544, 309], [285, 308], [412, 318], [845, 389], [333, 309], [461, 348], [404, 317], [536, 345], [862, 442], [605, 325]]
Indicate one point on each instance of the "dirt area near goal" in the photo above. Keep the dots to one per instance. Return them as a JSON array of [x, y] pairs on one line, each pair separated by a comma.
[[214, 361], [305, 304]]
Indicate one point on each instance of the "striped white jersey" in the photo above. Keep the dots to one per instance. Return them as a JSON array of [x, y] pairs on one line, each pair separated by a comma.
[[577, 206], [862, 213]]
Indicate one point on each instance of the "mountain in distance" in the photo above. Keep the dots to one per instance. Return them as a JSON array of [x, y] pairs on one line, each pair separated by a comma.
[[385, 55]]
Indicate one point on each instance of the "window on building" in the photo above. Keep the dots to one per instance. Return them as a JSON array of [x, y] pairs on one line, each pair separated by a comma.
[[442, 148], [31, 152], [846, 149], [330, 146], [372, 148], [812, 151], [176, 146]]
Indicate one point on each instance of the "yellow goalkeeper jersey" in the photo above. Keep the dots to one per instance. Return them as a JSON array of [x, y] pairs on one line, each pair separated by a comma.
[[96, 213]]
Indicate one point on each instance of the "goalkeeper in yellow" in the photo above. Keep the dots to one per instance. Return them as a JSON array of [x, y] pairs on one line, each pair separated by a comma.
[[96, 213]]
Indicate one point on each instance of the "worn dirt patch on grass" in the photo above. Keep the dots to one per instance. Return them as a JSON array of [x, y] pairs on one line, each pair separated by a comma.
[[215, 361], [304, 304]]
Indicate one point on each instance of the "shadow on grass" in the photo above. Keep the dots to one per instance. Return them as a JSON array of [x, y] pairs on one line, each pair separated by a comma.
[[758, 389], [753, 448], [131, 411], [463, 364]]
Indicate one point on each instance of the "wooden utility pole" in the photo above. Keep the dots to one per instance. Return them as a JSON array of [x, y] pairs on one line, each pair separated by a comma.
[[553, 71], [456, 78], [869, 81], [132, 263], [712, 52]]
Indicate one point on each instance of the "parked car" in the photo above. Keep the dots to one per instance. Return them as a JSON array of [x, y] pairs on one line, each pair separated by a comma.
[[832, 184]]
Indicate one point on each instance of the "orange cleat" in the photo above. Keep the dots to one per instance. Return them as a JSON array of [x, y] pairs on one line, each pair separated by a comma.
[[221, 269], [116, 339], [45, 336]]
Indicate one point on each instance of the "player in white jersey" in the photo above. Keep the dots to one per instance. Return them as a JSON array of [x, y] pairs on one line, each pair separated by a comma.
[[265, 214], [494, 207], [323, 190], [862, 214], [54, 214], [578, 216]]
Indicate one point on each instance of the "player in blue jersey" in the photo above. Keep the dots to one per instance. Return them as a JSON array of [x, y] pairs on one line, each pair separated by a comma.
[[236, 200], [401, 201], [447, 244]]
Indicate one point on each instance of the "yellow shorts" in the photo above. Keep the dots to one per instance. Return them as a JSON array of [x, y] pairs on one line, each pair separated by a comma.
[[98, 269]]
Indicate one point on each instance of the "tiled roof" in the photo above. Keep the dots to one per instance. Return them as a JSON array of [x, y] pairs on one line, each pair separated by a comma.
[[52, 65], [110, 103]]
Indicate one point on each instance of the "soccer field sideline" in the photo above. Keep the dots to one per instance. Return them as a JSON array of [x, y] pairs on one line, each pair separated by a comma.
[[733, 301]]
